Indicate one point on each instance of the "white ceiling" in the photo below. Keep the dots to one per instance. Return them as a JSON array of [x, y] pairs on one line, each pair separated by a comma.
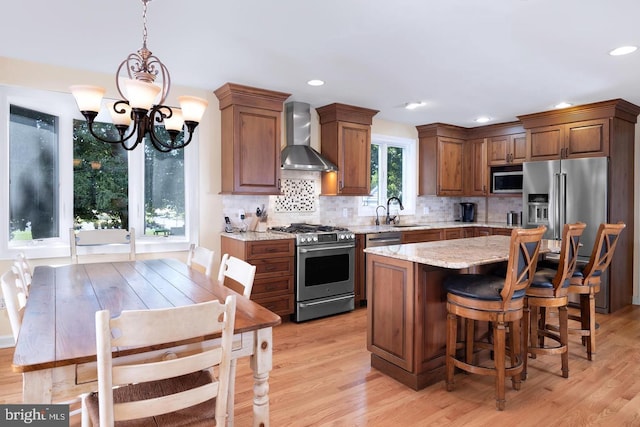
[[464, 58]]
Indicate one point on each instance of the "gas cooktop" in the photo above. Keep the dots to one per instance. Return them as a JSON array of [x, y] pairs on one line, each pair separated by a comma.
[[308, 228], [313, 234]]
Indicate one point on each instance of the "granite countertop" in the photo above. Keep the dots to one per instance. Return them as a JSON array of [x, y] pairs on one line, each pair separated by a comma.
[[457, 253], [362, 229], [250, 236]]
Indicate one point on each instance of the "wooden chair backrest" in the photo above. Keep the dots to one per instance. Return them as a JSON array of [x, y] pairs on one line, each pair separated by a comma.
[[523, 259], [112, 236], [603, 249], [201, 259], [159, 326], [14, 299], [235, 273], [24, 270], [568, 256]]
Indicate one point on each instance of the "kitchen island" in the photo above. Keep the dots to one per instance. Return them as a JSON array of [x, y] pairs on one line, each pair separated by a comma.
[[406, 302]]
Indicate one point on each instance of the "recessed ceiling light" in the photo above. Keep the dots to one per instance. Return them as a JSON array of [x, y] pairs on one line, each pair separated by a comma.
[[315, 82], [563, 105], [414, 105], [482, 119], [623, 50]]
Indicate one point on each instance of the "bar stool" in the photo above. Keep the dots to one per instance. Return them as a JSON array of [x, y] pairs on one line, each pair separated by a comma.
[[500, 301], [586, 283], [549, 289]]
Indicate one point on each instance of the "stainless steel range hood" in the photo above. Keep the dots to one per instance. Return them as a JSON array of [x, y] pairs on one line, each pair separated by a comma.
[[298, 154]]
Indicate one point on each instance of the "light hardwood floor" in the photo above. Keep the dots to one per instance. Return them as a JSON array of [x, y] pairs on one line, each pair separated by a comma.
[[322, 377]]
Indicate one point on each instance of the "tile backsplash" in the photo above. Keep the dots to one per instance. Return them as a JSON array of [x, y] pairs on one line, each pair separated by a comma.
[[301, 202]]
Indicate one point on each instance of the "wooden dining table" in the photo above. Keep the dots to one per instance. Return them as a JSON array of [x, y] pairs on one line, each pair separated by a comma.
[[56, 348]]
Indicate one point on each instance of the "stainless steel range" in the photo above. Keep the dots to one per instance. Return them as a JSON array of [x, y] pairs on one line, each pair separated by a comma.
[[325, 270]]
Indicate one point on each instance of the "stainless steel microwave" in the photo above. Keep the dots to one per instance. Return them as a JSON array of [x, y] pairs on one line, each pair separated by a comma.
[[506, 182]]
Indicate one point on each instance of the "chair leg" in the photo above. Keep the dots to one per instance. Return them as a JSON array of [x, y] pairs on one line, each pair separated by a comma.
[[542, 322], [584, 316], [563, 325], [591, 321], [533, 330], [232, 391], [515, 345], [452, 332], [470, 336], [499, 336], [526, 324]]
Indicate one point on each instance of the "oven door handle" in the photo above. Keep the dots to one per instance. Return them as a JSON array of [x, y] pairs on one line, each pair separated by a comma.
[[305, 250], [324, 301]]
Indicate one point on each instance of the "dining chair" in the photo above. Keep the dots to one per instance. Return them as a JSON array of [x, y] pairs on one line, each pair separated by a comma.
[[201, 259], [99, 243], [586, 282], [184, 390], [549, 289], [236, 274], [25, 272], [499, 301], [14, 298]]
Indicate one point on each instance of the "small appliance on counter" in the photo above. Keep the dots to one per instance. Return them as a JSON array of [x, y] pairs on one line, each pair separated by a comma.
[[467, 212], [512, 218]]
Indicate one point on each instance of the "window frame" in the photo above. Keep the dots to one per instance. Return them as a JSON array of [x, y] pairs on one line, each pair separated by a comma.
[[409, 169], [63, 106]]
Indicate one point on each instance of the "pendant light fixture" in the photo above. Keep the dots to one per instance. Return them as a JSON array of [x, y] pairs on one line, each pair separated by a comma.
[[136, 114]]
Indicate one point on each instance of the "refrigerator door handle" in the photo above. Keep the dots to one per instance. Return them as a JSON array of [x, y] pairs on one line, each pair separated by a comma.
[[557, 209], [562, 196]]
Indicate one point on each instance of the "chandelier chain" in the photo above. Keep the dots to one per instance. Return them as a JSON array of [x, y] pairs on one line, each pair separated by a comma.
[[144, 22]]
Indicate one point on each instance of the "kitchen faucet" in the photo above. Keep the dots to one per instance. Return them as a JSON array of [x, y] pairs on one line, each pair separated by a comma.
[[377, 217], [389, 218]]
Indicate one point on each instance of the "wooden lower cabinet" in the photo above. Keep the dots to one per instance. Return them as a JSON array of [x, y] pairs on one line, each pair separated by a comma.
[[417, 236], [406, 331], [273, 285]]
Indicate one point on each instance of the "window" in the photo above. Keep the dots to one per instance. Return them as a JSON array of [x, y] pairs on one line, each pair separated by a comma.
[[393, 174], [59, 176]]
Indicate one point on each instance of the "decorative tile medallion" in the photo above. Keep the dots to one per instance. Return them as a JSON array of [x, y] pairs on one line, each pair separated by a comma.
[[298, 195]]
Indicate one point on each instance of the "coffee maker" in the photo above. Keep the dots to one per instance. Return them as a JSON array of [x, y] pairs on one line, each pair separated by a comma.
[[467, 212]]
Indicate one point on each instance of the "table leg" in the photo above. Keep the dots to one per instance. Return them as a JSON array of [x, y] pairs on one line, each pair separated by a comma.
[[261, 363], [37, 386]]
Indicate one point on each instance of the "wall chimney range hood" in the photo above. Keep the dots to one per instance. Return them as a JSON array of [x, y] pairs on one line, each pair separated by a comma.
[[298, 154]]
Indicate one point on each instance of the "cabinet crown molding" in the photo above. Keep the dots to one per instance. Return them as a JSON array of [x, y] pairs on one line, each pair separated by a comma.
[[236, 94], [615, 108], [345, 113]]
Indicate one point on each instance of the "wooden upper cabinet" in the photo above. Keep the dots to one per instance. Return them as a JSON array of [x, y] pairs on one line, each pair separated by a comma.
[[345, 139], [251, 138], [589, 138], [475, 172], [506, 149], [441, 154]]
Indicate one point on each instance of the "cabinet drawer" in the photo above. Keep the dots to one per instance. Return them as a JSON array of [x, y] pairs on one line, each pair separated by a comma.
[[422, 236], [270, 249], [501, 231], [453, 233], [281, 305], [272, 286], [273, 267]]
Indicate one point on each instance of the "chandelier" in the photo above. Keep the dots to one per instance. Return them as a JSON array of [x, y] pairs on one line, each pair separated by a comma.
[[136, 115]]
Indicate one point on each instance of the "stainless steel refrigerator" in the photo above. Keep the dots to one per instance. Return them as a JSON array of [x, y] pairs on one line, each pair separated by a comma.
[[557, 192]]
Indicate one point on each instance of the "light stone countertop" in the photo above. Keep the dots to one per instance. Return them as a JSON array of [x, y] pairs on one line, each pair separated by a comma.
[[457, 253], [252, 236], [383, 228], [249, 236]]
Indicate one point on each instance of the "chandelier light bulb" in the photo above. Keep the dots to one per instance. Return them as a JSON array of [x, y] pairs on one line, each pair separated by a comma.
[[175, 122], [192, 107], [88, 98], [120, 114]]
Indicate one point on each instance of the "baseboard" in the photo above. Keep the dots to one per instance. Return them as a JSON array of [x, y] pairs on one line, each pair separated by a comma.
[[636, 300], [6, 341]]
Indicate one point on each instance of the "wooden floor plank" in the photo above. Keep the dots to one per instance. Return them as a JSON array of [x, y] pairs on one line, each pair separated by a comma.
[[322, 377]]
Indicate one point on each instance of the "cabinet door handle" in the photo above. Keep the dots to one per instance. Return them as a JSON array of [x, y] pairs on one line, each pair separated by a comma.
[[279, 185], [340, 185]]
